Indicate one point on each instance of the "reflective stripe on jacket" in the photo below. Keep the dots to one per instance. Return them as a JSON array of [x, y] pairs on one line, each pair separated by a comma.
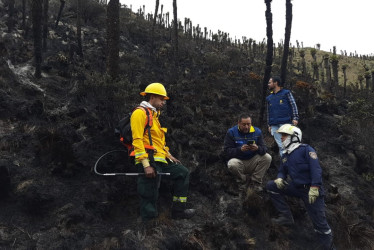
[[141, 138]]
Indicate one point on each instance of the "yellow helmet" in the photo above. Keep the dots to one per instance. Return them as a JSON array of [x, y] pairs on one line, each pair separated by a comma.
[[155, 88]]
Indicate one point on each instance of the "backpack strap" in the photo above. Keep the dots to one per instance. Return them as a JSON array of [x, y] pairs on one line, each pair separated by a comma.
[[148, 125]]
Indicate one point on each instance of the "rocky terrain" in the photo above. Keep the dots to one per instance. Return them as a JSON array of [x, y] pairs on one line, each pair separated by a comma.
[[54, 129]]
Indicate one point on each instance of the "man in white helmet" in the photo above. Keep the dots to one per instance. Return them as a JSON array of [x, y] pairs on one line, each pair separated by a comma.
[[300, 163]]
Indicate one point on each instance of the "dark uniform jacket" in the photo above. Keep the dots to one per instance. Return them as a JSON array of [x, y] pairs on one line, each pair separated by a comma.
[[234, 140], [282, 108], [302, 166]]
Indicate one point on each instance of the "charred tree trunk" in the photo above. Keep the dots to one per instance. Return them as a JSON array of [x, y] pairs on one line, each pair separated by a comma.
[[334, 65], [269, 56], [24, 15], [322, 73], [175, 28], [113, 38], [372, 81], [155, 16], [79, 28], [367, 78], [45, 23], [344, 68], [313, 52], [11, 16], [360, 78], [287, 37], [62, 4], [161, 19], [37, 9], [154, 25], [328, 71], [303, 63]]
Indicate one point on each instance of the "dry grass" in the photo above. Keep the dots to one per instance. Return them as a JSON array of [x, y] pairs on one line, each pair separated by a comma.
[[361, 234], [253, 203], [352, 231], [355, 65]]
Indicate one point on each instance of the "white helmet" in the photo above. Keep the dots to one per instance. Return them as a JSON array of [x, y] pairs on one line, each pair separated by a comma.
[[291, 130]]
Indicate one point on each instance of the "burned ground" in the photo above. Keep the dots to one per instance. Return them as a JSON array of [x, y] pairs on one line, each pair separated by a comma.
[[53, 129]]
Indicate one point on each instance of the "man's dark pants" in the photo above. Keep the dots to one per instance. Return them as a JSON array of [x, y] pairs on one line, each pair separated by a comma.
[[316, 211], [148, 187]]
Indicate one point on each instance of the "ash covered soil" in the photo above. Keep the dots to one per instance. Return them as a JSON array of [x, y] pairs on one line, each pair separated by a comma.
[[53, 129]]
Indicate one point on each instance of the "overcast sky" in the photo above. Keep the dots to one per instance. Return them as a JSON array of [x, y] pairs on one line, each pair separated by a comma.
[[348, 25]]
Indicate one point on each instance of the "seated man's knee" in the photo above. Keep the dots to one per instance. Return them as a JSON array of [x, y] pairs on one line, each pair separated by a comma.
[[268, 158], [233, 163]]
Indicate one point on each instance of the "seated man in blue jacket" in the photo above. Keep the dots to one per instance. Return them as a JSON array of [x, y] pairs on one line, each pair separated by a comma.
[[245, 151], [300, 163]]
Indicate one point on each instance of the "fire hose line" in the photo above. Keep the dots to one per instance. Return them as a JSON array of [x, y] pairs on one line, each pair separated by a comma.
[[117, 174]]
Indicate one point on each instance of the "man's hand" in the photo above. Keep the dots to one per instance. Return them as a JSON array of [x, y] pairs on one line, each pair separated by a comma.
[[313, 194], [173, 159], [246, 147], [280, 183], [295, 122], [253, 147], [148, 170]]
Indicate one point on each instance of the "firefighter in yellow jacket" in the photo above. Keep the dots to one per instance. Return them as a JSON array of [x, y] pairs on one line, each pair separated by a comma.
[[153, 158]]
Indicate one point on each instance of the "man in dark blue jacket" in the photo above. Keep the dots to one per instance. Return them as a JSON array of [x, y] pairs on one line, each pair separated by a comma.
[[281, 107], [300, 163], [245, 151]]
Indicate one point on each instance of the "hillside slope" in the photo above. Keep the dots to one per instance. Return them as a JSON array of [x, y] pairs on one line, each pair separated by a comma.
[[55, 128]]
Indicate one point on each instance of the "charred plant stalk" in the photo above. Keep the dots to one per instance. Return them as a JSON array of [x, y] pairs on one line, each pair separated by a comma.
[[62, 4], [155, 16], [334, 64], [45, 23], [287, 37], [175, 28], [360, 79], [161, 19], [79, 28], [269, 56], [367, 78], [313, 52], [154, 24], [303, 63], [327, 69], [344, 68], [36, 10], [372, 81], [24, 15], [11, 16], [113, 38]]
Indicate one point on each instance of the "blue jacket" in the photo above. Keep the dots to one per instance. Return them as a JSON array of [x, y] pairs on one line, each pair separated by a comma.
[[282, 108], [302, 166], [234, 140]]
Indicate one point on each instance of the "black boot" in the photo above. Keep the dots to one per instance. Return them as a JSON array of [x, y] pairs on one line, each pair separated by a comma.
[[283, 220], [180, 211]]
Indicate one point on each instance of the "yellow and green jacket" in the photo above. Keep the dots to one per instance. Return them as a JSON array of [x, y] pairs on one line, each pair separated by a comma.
[[141, 137]]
